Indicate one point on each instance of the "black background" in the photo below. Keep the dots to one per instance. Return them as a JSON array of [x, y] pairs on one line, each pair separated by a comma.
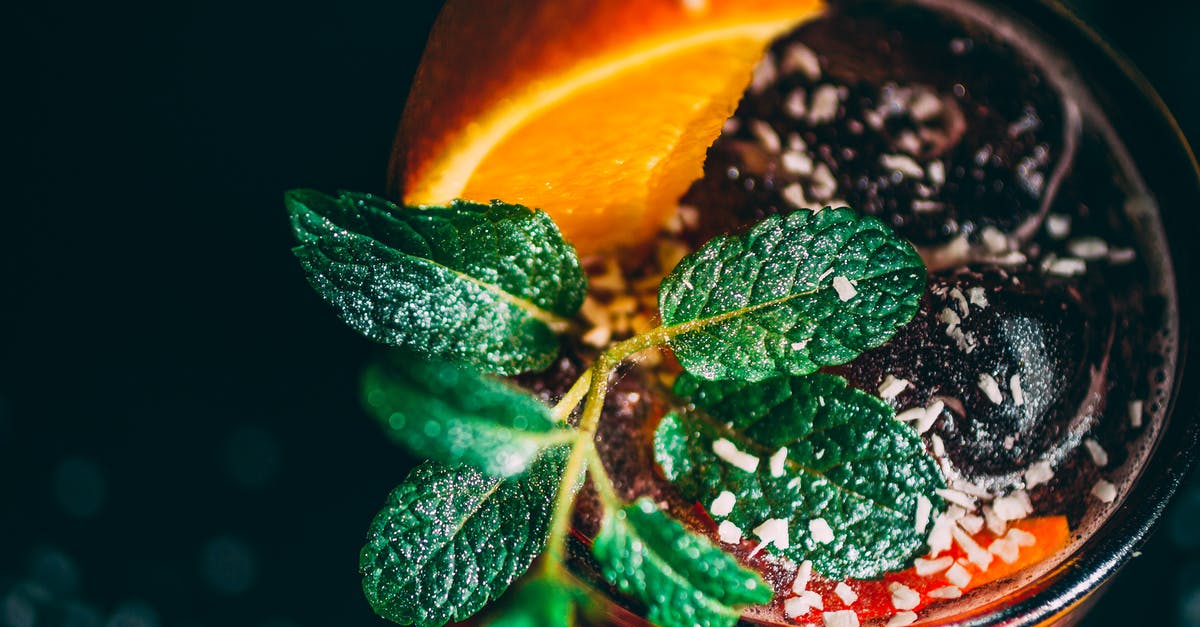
[[180, 442]]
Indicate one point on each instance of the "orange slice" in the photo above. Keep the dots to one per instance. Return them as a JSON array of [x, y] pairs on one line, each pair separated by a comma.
[[597, 111]]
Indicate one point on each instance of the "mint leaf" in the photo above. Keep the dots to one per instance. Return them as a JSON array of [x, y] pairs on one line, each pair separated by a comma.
[[681, 577], [848, 462], [486, 285], [539, 602], [767, 302], [451, 539], [454, 415]]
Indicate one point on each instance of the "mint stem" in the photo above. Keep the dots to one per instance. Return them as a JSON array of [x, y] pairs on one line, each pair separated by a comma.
[[573, 397]]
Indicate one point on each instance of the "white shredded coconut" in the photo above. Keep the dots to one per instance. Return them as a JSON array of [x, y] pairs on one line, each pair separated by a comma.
[[975, 553], [903, 164], [799, 57], [892, 387], [1014, 506], [958, 576], [978, 297], [994, 239], [924, 509], [776, 462], [1005, 549], [1014, 385], [774, 531], [794, 194], [729, 453], [803, 576], [1038, 473], [947, 316], [988, 384], [995, 524], [845, 290], [901, 619], [1135, 414], [729, 533], [1098, 454], [723, 504], [940, 537], [845, 593], [903, 597], [939, 447], [931, 415], [820, 530], [956, 497], [797, 162], [926, 567], [972, 523], [911, 414], [824, 105], [1067, 266], [766, 135], [1021, 537], [1058, 225], [802, 604], [764, 74], [1088, 248], [949, 592], [840, 618], [1105, 491]]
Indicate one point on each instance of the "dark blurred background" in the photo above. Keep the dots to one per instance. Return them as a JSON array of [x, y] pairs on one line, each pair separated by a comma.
[[180, 440]]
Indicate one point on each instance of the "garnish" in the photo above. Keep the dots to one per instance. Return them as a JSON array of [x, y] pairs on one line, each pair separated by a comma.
[[681, 577], [485, 285], [833, 457], [818, 471]]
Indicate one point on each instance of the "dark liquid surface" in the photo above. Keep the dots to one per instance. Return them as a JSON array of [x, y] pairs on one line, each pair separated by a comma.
[[1018, 202]]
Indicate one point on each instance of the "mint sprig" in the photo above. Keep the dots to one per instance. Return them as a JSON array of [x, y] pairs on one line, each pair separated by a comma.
[[452, 539], [471, 290], [791, 295], [455, 415], [827, 452], [484, 285]]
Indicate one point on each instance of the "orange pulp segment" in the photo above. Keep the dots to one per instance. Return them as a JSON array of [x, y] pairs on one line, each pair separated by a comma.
[[610, 134]]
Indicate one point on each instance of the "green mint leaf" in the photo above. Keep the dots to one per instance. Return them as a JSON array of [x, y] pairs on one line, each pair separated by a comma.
[[452, 539], [539, 602], [455, 415], [487, 285], [791, 295], [681, 577], [847, 462]]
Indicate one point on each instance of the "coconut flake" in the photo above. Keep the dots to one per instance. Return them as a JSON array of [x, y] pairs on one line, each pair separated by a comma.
[[797, 162], [794, 194], [978, 297], [1038, 473], [1098, 454], [1088, 248], [994, 239], [947, 316], [958, 576], [1135, 414], [723, 504], [971, 523], [948, 592], [840, 618], [1005, 549], [956, 497], [803, 576], [1014, 506], [824, 105], [1067, 266], [924, 509], [729, 453], [799, 57], [941, 536], [1058, 225], [975, 553], [903, 597], [1021, 537], [988, 384], [892, 387], [903, 164], [764, 74], [802, 604], [1014, 385], [911, 414], [926, 567], [729, 533], [845, 593], [1105, 491], [773, 531], [931, 415], [995, 524], [845, 290], [820, 530], [766, 135], [901, 619], [776, 462]]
